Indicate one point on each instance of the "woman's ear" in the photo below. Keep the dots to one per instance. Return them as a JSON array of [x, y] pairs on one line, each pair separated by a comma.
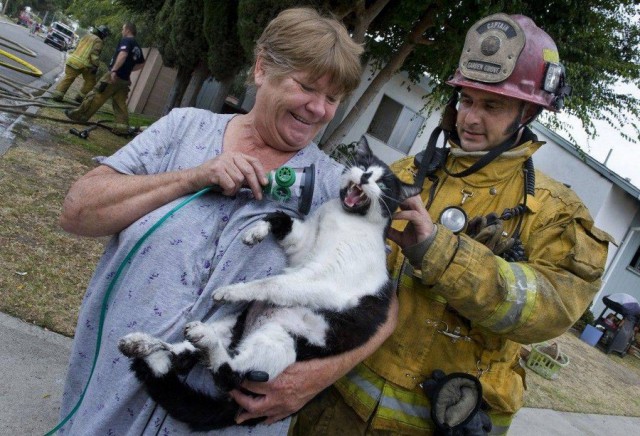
[[259, 73]]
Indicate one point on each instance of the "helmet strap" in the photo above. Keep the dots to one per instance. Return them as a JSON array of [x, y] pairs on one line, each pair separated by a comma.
[[487, 158]]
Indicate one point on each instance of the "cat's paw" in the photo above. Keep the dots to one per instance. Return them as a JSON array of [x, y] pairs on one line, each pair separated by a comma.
[[256, 233], [199, 334], [227, 293], [140, 345]]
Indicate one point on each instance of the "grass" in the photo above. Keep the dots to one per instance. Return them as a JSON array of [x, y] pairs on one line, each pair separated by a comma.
[[44, 271], [592, 382]]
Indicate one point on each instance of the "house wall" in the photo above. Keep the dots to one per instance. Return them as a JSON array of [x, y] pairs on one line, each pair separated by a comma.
[[400, 89], [151, 85], [619, 277], [558, 163]]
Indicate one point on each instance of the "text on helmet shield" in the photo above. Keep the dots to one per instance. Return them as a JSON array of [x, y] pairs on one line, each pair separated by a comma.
[[505, 27], [485, 67]]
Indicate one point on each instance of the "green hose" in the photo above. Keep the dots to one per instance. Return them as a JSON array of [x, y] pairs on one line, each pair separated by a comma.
[[105, 300]]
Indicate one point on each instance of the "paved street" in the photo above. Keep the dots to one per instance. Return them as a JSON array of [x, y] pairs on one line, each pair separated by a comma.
[[49, 60]]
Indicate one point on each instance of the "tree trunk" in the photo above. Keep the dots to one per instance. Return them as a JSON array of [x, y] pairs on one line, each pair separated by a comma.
[[217, 98], [178, 88], [391, 68], [195, 84]]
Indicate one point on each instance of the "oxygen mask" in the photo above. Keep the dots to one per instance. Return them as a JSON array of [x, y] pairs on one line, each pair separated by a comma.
[[287, 183]]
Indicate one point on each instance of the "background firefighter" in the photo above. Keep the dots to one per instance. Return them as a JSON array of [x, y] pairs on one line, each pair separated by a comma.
[[523, 269], [115, 84], [84, 61]]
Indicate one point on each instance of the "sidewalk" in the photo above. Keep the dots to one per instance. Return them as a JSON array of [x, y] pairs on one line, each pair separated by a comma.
[[33, 363]]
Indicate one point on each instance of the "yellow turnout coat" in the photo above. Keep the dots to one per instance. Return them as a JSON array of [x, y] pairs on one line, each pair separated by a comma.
[[467, 310]]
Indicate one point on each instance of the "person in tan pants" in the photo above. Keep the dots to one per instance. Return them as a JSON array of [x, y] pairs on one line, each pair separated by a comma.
[[114, 84], [83, 62]]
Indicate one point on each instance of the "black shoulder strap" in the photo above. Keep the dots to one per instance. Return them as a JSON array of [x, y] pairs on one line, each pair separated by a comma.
[[527, 135]]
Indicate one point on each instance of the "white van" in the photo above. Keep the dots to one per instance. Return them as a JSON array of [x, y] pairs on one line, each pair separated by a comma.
[[60, 36]]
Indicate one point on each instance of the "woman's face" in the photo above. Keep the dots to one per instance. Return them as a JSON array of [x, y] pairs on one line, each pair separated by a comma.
[[291, 110]]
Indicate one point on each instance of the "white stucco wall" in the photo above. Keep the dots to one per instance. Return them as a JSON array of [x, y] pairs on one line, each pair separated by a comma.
[[558, 163], [400, 89]]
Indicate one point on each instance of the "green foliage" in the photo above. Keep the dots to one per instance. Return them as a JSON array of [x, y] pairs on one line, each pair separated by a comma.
[[586, 318], [344, 153], [162, 34], [93, 13], [225, 56], [186, 33], [253, 16]]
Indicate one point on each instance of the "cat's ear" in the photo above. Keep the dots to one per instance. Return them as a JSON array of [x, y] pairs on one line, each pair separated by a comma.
[[362, 148], [407, 191]]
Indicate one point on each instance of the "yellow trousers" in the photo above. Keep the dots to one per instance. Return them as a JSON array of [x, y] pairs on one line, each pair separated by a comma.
[[70, 75], [117, 91]]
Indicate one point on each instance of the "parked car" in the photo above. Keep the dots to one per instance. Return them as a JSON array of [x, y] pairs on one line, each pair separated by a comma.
[[60, 36]]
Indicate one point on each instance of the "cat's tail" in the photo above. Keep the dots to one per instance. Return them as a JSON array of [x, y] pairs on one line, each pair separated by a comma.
[[202, 412]]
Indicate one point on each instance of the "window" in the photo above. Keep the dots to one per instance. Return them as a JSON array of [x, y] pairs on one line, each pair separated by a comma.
[[395, 125], [635, 261]]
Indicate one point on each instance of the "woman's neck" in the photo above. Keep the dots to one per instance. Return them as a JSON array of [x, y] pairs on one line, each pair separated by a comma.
[[242, 136]]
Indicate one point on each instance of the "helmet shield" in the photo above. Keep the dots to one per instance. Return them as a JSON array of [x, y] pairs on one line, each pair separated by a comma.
[[509, 55], [491, 49]]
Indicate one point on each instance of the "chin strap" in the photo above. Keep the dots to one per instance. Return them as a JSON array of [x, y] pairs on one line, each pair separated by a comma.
[[488, 157], [433, 157]]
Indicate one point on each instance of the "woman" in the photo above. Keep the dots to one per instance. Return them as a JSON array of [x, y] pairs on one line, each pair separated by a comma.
[[304, 65]]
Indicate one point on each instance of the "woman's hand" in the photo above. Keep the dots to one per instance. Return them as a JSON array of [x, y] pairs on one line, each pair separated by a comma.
[[302, 381], [286, 394], [231, 171], [420, 225]]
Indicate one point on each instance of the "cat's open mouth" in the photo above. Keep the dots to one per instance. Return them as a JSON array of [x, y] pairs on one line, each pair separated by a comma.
[[355, 196]]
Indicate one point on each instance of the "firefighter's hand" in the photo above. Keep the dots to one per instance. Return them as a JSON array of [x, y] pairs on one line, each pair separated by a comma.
[[489, 231], [420, 225], [456, 401], [286, 394]]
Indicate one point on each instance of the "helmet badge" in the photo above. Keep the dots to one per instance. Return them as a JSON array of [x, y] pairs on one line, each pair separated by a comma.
[[491, 49]]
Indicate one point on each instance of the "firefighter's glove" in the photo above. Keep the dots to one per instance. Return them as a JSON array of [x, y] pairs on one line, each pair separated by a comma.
[[488, 230], [455, 404]]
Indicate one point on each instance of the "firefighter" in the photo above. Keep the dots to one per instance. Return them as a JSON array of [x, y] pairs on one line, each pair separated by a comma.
[[115, 84], [84, 61], [491, 255]]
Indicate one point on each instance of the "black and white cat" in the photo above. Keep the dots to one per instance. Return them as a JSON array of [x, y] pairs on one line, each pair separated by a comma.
[[332, 298]]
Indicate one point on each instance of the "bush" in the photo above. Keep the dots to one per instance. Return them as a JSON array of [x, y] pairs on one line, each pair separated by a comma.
[[586, 318]]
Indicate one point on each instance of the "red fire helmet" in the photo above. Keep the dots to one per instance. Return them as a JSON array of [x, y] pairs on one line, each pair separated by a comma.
[[509, 55]]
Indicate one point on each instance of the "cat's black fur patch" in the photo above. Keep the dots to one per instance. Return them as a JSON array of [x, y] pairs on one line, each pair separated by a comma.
[[281, 224]]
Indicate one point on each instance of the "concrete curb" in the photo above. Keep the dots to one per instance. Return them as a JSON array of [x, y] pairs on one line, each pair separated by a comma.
[[33, 365]]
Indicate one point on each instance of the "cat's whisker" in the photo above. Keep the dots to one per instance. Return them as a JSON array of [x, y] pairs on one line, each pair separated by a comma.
[[387, 207], [350, 162]]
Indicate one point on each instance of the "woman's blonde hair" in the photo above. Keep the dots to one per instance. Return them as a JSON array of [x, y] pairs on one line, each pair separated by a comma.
[[300, 39]]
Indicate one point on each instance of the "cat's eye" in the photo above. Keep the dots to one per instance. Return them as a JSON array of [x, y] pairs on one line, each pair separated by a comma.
[[381, 185]]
